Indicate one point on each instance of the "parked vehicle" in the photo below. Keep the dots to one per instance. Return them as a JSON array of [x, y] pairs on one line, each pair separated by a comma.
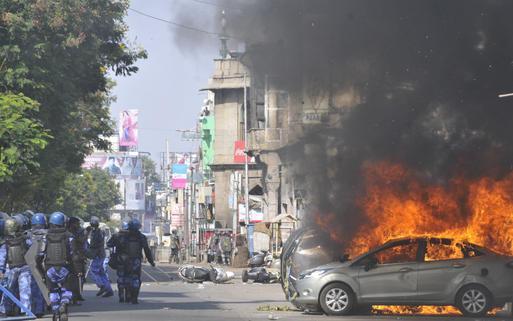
[[409, 271]]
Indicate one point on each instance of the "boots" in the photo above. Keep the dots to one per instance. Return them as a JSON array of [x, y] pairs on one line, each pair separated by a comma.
[[134, 294], [122, 295]]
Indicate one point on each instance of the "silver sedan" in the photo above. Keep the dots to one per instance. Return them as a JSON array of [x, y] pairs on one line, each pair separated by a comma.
[[410, 271]]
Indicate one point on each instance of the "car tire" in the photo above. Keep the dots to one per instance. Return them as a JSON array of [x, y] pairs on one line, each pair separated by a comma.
[[337, 299], [474, 300]]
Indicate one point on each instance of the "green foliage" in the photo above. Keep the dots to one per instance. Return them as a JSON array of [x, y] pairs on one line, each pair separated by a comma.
[[58, 54], [90, 193], [150, 171], [21, 135]]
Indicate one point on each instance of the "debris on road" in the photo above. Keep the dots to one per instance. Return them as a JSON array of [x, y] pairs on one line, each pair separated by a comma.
[[275, 308], [197, 274]]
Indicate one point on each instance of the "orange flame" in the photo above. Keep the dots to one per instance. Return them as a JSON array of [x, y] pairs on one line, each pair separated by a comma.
[[398, 204]]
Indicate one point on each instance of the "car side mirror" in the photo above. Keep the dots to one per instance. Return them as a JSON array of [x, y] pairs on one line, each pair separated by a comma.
[[371, 263], [344, 258]]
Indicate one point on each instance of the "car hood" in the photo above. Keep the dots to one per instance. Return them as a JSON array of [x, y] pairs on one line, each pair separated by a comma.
[[332, 265]]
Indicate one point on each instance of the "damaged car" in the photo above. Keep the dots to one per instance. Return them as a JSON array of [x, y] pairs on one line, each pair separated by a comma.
[[410, 272]]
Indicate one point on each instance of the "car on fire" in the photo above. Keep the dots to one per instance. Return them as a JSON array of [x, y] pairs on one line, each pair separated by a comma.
[[408, 271]]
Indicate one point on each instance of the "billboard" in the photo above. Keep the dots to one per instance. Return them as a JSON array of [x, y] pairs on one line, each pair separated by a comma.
[[128, 128], [116, 164], [179, 176]]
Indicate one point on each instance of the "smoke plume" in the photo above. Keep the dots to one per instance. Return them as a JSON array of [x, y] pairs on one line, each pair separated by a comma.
[[411, 82]]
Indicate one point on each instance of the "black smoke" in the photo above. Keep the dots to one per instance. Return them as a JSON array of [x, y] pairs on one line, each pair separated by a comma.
[[426, 76]]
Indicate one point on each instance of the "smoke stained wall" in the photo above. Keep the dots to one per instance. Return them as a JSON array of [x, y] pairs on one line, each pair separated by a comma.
[[424, 77]]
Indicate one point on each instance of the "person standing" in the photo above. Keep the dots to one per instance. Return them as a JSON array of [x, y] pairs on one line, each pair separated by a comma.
[[78, 258], [57, 258], [18, 276], [120, 261], [38, 236], [97, 255], [136, 245], [175, 248], [226, 246]]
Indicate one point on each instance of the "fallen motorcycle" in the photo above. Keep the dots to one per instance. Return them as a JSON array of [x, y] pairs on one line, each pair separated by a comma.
[[263, 258], [198, 274], [260, 275]]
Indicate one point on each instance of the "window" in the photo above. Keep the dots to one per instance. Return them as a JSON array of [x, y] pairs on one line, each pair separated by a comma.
[[445, 249], [402, 253], [440, 250]]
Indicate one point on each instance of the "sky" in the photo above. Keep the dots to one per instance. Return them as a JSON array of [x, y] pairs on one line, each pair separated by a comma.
[[166, 88]]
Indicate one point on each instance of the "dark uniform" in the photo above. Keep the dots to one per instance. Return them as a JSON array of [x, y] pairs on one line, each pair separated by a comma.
[[119, 260], [78, 258], [129, 248]]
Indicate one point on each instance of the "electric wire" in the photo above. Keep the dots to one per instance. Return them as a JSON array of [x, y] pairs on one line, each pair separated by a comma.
[[179, 25]]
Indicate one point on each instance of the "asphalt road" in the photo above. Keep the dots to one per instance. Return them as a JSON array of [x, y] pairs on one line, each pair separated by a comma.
[[165, 297]]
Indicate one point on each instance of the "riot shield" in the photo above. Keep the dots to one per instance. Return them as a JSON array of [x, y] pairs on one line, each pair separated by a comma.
[[30, 258]]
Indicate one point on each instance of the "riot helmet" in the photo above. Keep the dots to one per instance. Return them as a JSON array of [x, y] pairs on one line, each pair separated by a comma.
[[57, 219], [39, 221], [94, 222], [134, 225], [11, 227], [23, 221], [125, 225]]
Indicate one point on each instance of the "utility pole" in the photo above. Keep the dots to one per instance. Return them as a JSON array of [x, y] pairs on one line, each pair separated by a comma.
[[249, 228]]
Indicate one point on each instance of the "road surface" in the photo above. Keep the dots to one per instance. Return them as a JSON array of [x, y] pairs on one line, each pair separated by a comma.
[[165, 297]]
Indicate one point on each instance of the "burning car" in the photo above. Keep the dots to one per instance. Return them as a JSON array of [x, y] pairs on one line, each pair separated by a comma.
[[409, 271]]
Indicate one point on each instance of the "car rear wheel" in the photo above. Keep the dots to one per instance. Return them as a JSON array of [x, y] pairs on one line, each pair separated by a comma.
[[337, 299], [474, 300]]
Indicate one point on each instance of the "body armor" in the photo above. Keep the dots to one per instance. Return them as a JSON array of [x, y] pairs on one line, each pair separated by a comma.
[[56, 248], [17, 247], [134, 247]]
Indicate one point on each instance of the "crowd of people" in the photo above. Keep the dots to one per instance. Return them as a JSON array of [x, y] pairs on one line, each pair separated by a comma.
[[44, 262]]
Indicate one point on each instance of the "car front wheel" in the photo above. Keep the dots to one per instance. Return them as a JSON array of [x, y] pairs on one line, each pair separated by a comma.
[[474, 300], [337, 299]]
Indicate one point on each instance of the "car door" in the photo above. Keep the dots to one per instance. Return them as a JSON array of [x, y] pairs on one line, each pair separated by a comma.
[[442, 270], [393, 279]]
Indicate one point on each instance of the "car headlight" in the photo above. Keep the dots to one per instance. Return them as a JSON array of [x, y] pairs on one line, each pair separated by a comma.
[[312, 274]]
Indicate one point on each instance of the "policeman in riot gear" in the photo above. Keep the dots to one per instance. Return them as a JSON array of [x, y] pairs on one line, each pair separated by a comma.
[[78, 258], [97, 255], [137, 243], [120, 261], [175, 248], [226, 247], [57, 257], [38, 235], [18, 276]]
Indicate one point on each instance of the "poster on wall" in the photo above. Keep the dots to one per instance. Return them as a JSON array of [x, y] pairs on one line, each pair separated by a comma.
[[128, 128]]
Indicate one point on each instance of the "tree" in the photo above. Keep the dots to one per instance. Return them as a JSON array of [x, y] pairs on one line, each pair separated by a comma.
[[90, 193], [150, 171], [21, 135], [58, 54]]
